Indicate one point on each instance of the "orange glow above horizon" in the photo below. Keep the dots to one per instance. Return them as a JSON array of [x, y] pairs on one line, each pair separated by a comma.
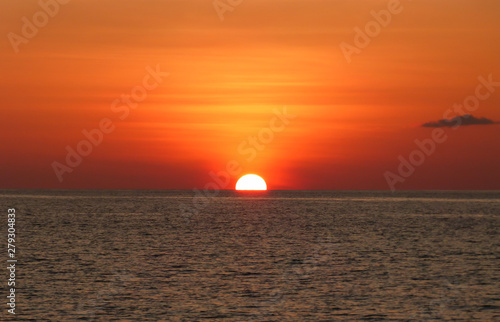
[[353, 120]]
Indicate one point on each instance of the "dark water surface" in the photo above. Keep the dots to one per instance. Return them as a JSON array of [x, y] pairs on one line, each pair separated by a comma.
[[273, 256]]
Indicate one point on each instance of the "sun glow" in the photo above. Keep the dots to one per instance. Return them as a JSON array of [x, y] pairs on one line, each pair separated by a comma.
[[251, 182]]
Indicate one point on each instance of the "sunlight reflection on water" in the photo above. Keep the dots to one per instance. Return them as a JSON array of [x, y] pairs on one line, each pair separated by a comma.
[[283, 256]]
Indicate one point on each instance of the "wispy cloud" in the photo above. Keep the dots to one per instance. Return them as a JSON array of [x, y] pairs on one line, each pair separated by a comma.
[[466, 119]]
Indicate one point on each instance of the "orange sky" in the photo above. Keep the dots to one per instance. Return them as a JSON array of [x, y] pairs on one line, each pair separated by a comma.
[[352, 120]]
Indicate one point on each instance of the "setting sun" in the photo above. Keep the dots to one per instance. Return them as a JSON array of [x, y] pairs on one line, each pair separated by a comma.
[[251, 182]]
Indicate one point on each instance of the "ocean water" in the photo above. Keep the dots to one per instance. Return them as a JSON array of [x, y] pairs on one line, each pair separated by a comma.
[[271, 256]]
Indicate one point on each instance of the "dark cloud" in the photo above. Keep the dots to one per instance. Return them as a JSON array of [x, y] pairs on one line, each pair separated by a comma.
[[466, 119]]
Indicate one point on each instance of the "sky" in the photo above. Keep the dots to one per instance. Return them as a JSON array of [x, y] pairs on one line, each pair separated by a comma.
[[193, 94]]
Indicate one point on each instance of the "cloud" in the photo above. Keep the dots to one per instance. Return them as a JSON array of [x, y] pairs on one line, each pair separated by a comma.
[[466, 119]]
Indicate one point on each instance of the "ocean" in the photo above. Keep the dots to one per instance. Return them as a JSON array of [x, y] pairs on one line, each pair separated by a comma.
[[140, 255]]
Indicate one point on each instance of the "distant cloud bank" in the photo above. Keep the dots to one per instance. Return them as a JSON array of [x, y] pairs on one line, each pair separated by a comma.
[[466, 119]]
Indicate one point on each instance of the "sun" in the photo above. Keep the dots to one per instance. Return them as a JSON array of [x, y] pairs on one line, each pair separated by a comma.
[[251, 182]]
